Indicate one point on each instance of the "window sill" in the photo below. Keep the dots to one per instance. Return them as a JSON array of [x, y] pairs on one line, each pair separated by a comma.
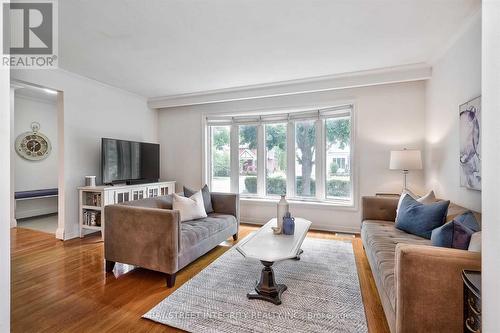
[[337, 204]]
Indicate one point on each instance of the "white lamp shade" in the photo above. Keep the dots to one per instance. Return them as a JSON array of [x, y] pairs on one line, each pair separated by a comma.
[[406, 160]]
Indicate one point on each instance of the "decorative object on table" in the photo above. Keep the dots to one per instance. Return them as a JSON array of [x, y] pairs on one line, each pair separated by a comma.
[[34, 145], [90, 181], [324, 282], [282, 208], [276, 230], [470, 144], [405, 160], [288, 224], [472, 301]]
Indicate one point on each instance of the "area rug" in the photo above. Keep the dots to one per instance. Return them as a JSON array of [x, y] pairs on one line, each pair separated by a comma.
[[323, 295]]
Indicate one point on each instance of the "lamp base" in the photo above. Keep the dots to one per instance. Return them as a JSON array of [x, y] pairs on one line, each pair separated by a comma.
[[405, 174]]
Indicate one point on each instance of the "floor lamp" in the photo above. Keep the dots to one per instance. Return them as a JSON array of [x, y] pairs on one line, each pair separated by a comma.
[[405, 160]]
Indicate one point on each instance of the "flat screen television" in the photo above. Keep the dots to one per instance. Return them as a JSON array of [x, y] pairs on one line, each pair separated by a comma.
[[129, 162]]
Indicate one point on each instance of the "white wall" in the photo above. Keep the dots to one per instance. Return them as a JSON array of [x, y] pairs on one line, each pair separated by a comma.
[[5, 192], [456, 79], [92, 110], [35, 175], [386, 117], [491, 166]]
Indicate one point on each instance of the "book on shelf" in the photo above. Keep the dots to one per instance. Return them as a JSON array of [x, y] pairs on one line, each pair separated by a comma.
[[92, 218], [94, 199]]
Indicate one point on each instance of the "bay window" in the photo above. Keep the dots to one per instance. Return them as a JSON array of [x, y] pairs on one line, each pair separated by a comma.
[[306, 155]]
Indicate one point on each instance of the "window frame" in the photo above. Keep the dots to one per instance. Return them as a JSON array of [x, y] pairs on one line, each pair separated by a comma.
[[293, 116]]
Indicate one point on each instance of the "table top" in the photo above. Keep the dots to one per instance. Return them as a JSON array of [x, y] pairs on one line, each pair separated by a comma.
[[264, 245]]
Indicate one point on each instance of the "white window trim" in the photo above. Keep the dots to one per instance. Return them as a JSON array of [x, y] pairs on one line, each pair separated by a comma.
[[261, 196], [261, 161]]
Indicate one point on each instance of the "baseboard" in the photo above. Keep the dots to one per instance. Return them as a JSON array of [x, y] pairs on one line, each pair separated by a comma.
[[60, 233], [329, 228], [23, 214]]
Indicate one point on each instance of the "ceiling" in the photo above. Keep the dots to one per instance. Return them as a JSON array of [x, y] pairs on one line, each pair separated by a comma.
[[164, 47]]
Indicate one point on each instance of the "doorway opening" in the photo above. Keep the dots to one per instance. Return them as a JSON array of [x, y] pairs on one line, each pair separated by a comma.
[[36, 164]]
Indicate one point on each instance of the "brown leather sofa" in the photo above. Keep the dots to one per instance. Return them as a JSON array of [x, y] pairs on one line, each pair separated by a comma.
[[149, 234], [420, 285]]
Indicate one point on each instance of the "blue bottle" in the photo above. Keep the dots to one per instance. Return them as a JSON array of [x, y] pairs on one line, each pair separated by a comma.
[[288, 224]]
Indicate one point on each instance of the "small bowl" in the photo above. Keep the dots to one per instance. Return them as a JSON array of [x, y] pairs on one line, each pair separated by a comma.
[[276, 230]]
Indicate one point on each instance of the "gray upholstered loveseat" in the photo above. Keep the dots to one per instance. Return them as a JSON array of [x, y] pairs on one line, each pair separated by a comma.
[[149, 234]]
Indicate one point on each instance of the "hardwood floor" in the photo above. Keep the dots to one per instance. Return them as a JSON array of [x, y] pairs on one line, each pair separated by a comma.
[[63, 287]]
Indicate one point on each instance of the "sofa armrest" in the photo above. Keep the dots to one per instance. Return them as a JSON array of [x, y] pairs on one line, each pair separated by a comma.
[[429, 287], [379, 208], [145, 237], [226, 203]]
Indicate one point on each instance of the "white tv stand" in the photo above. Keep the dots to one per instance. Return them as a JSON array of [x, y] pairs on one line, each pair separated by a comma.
[[92, 200]]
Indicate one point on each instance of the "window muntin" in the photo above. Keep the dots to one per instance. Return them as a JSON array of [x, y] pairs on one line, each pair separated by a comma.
[[276, 158], [220, 148], [263, 163]]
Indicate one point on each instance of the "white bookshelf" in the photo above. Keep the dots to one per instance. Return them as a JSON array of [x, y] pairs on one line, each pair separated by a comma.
[[92, 200]]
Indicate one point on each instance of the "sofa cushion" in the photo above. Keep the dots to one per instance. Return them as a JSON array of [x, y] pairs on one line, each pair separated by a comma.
[[380, 239], [207, 198], [193, 232], [420, 219]]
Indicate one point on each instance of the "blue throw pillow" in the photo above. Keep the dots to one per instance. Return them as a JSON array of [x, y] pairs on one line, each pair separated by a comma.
[[420, 219], [457, 233]]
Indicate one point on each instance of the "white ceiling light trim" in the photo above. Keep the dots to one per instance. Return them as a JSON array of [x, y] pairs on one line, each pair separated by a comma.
[[415, 72]]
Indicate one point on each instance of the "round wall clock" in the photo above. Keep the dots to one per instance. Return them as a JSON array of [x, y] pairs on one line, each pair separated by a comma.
[[33, 146]]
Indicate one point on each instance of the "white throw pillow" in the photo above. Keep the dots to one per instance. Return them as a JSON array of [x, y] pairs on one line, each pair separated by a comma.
[[475, 242], [428, 198], [189, 208]]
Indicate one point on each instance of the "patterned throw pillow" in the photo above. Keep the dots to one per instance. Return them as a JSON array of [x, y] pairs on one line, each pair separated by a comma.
[[420, 219]]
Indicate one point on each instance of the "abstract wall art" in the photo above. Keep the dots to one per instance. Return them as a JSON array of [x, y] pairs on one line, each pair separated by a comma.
[[470, 144]]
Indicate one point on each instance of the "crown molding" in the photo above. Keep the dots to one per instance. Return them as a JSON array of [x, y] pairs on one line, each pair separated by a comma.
[[406, 73]]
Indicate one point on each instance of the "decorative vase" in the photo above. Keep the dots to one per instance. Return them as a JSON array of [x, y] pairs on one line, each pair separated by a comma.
[[282, 210], [288, 224]]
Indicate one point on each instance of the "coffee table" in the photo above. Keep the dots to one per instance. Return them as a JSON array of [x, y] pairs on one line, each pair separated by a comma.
[[269, 248]]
